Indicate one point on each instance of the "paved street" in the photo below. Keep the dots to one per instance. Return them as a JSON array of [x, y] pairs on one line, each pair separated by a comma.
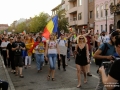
[[65, 80]]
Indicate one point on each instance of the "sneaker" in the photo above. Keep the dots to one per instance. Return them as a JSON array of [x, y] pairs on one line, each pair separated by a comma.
[[89, 74]]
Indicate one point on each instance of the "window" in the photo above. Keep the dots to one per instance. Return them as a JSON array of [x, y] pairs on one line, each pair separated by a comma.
[[79, 16], [91, 13], [67, 7], [102, 11], [80, 2], [74, 18], [97, 12]]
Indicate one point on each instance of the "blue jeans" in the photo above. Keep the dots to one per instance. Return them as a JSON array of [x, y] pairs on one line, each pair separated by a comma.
[[52, 60], [68, 53], [39, 60]]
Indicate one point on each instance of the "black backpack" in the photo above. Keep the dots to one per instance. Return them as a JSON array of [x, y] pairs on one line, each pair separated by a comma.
[[98, 61]]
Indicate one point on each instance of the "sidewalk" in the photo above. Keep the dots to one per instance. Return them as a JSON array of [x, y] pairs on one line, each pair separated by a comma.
[[4, 74]]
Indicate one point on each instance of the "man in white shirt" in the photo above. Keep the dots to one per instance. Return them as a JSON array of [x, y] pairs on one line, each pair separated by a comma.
[[103, 38], [62, 42], [4, 50]]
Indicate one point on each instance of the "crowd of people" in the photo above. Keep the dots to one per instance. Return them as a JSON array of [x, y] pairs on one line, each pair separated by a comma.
[[18, 50]]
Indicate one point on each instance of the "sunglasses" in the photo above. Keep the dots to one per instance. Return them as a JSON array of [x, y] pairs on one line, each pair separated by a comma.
[[81, 38]]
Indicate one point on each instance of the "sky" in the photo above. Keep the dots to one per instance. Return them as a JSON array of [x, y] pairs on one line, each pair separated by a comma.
[[11, 10]]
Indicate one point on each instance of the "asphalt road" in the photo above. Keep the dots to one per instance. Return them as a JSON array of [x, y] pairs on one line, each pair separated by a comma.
[[65, 80]]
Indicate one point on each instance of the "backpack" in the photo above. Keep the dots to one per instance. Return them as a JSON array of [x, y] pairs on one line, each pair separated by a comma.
[[59, 41], [98, 61]]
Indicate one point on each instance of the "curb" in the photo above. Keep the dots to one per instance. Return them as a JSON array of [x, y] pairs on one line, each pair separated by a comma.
[[7, 75]]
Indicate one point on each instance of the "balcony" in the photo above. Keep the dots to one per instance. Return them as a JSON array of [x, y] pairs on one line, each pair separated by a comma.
[[73, 10], [71, 0], [72, 22]]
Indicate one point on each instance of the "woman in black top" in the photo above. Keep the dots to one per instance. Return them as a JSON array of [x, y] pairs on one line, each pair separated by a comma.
[[82, 58]]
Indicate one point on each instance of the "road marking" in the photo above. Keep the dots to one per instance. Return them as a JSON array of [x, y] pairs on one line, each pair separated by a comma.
[[92, 74]]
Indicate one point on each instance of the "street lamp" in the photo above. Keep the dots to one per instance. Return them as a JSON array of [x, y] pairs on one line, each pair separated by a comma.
[[115, 9], [106, 8]]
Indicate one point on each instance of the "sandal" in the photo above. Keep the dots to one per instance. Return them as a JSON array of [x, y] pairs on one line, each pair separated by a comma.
[[48, 77], [53, 79], [78, 86], [21, 76], [85, 81]]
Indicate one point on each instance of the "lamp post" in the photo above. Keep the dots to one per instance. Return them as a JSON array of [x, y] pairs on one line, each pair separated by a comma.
[[106, 16], [114, 9]]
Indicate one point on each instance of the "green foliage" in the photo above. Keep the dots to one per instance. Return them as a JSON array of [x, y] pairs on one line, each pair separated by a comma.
[[10, 29], [62, 21], [38, 23], [20, 27]]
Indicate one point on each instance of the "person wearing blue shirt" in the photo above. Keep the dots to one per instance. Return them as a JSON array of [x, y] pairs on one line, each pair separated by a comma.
[[112, 81]]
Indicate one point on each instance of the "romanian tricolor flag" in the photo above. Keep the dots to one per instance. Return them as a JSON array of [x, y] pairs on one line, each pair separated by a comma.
[[51, 27]]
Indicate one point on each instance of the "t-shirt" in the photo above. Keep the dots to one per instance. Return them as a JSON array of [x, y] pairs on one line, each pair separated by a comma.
[[52, 47], [4, 44], [110, 51], [107, 38], [9, 47], [18, 52], [103, 39], [115, 73], [88, 41], [61, 42], [41, 47]]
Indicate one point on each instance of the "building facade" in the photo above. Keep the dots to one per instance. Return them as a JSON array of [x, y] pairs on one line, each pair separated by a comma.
[[77, 13], [60, 7], [3, 26], [104, 20], [91, 15]]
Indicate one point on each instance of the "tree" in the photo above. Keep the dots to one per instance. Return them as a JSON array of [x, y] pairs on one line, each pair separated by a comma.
[[62, 21], [10, 29], [20, 27], [38, 23]]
